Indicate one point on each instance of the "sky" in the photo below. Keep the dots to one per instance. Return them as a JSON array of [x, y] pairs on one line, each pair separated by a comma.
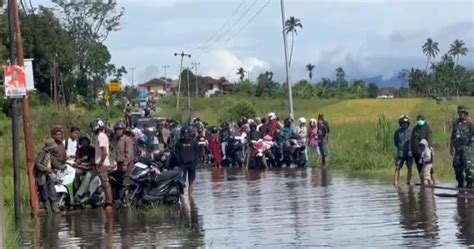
[[367, 38]]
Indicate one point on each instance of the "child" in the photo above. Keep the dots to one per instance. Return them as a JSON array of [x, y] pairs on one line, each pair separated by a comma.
[[313, 137], [427, 162]]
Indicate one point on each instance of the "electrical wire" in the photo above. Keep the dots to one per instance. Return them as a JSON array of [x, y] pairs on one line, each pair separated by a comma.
[[250, 21], [233, 25]]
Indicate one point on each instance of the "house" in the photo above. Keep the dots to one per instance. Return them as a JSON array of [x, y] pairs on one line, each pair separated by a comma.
[[217, 86], [156, 87], [387, 93]]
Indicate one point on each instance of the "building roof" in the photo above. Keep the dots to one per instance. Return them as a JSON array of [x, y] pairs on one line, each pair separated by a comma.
[[388, 90], [211, 81], [154, 82]]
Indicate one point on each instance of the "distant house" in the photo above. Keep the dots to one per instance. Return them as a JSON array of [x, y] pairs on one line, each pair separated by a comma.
[[156, 87], [387, 93], [217, 86]]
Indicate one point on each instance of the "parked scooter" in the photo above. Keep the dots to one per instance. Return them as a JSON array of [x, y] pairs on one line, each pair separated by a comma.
[[150, 186], [64, 186], [234, 152], [258, 158], [295, 154]]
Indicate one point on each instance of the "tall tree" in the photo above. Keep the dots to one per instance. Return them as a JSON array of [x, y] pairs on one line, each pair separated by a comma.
[[430, 49], [241, 72], [310, 68], [458, 49], [291, 26], [89, 23], [373, 90], [341, 81]]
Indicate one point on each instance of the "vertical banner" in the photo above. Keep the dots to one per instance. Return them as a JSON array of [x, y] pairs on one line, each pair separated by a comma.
[[15, 81]]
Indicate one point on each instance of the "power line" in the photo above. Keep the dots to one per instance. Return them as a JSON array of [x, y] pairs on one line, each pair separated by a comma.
[[234, 24], [226, 22], [250, 21]]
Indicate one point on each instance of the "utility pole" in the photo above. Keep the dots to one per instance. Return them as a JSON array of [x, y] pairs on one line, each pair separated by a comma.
[[29, 148], [285, 45], [195, 65], [189, 92], [15, 126], [182, 54], [164, 69], [132, 69]]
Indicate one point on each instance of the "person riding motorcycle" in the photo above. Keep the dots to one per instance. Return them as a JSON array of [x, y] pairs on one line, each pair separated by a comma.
[[287, 133], [85, 160], [253, 136], [124, 152], [273, 124]]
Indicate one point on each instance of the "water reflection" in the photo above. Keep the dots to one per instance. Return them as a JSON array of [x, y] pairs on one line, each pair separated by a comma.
[[465, 221], [277, 208], [418, 216]]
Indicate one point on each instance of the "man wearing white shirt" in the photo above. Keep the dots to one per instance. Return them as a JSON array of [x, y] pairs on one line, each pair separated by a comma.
[[70, 143]]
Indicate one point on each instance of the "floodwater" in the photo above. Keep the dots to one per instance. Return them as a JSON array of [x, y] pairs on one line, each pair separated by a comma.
[[287, 208]]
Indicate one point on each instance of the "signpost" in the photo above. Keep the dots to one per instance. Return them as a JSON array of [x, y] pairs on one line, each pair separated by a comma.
[[115, 87]]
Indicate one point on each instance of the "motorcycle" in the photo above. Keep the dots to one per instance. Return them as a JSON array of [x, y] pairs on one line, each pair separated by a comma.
[[64, 186], [259, 154], [150, 186], [234, 152], [94, 195], [295, 153]]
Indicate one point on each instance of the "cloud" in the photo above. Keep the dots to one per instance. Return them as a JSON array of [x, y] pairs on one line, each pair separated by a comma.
[[224, 63]]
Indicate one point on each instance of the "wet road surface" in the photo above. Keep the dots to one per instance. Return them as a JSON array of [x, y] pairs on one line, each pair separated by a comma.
[[287, 208]]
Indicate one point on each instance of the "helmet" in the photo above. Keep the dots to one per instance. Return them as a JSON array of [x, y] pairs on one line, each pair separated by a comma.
[[249, 121], [271, 116], [119, 125], [404, 119], [186, 130], [302, 120], [97, 124], [258, 119], [253, 125], [214, 130], [225, 125], [462, 109]]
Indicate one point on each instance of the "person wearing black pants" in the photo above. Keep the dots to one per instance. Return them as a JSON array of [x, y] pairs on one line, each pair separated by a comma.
[[421, 131], [187, 155]]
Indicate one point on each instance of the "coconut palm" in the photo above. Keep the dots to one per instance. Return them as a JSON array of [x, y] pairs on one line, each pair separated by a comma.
[[310, 68], [241, 73], [457, 49], [430, 49], [291, 25]]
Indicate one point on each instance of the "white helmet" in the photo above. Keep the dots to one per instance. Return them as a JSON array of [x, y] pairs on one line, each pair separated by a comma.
[[271, 116], [249, 121], [302, 120]]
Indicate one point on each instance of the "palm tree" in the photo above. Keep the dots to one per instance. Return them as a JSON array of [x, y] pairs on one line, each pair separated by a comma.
[[430, 49], [291, 26], [458, 49], [310, 68], [241, 73]]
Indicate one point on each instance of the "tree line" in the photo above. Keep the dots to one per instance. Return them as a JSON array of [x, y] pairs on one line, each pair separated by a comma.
[[71, 37]]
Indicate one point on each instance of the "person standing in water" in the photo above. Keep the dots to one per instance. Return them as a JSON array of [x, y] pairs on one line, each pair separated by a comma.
[[404, 154], [461, 146], [421, 131]]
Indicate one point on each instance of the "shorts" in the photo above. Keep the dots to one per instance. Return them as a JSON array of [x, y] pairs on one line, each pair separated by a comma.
[[400, 161], [323, 149], [426, 171], [190, 172]]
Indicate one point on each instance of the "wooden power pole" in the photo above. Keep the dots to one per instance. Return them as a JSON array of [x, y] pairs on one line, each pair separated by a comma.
[[29, 148]]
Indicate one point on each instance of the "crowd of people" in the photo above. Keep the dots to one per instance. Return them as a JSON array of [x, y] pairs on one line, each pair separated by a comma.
[[415, 146], [184, 145]]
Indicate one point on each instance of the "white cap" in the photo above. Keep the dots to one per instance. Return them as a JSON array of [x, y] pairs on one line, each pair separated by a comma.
[[302, 120]]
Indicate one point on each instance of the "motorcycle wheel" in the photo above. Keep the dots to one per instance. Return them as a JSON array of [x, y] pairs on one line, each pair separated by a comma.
[[127, 196], [61, 197]]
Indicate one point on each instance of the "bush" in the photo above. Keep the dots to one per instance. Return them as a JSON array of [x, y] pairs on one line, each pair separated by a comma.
[[236, 110]]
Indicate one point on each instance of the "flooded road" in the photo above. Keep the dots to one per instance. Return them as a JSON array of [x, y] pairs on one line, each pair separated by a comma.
[[278, 208]]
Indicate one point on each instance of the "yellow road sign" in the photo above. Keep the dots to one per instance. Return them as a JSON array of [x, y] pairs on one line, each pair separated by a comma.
[[115, 87]]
